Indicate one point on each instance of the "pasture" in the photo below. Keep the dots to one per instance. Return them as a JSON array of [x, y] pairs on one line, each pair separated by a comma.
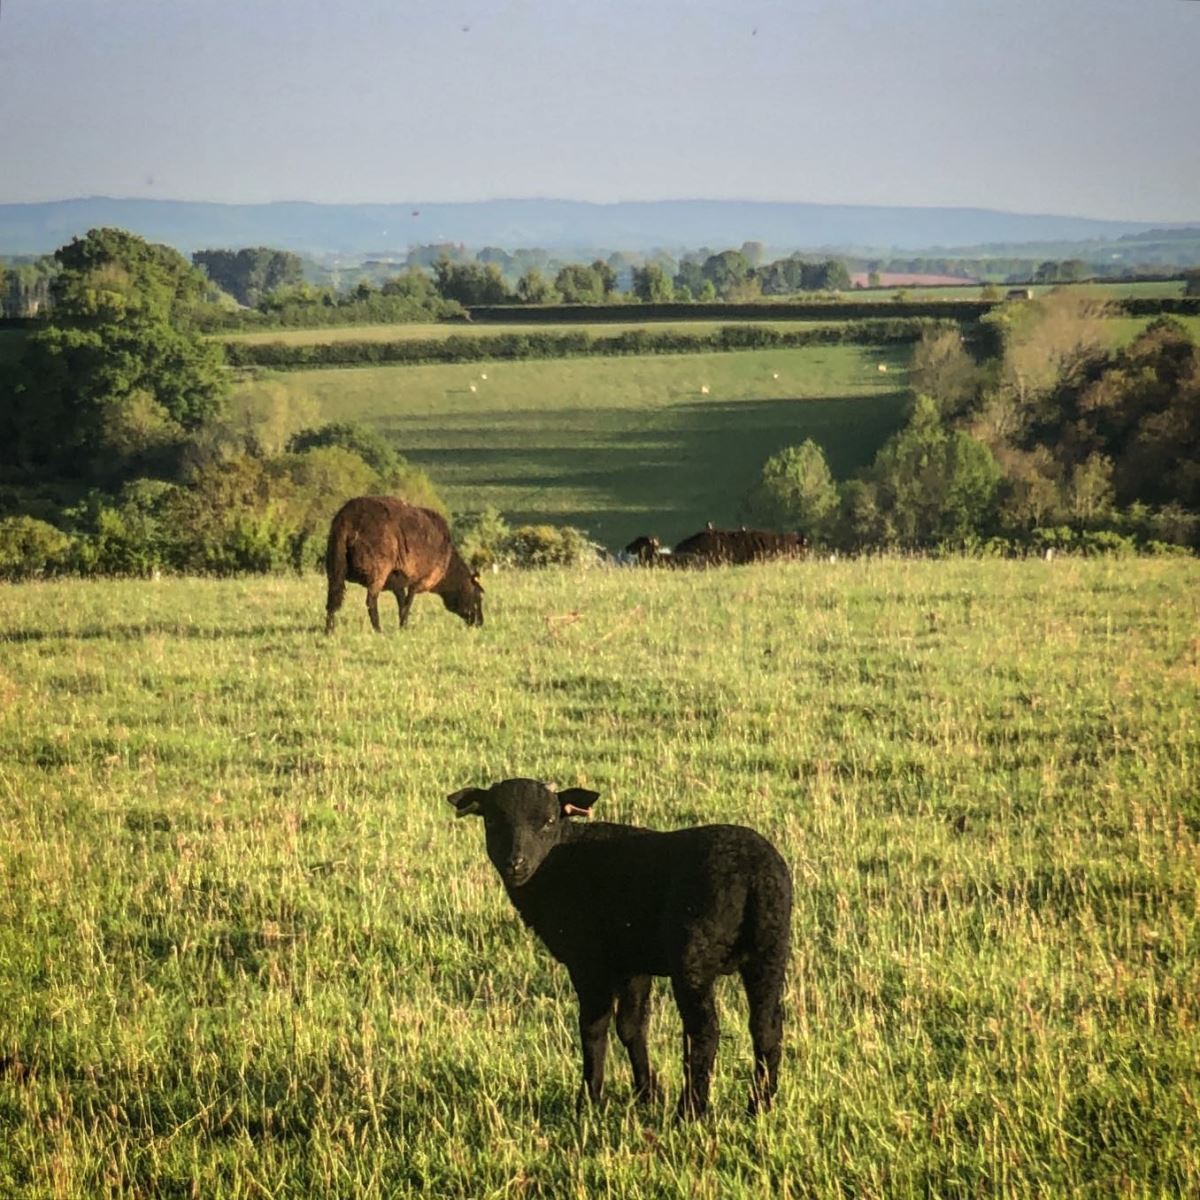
[[617, 446], [1117, 289], [245, 950], [416, 331]]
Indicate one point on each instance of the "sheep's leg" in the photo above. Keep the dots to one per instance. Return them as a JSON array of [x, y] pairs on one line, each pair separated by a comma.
[[700, 1033], [763, 981], [595, 1012], [404, 599], [373, 590], [633, 1014], [337, 593]]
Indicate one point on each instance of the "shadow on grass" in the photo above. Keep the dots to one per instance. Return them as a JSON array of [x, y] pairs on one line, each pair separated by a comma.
[[134, 633], [666, 469]]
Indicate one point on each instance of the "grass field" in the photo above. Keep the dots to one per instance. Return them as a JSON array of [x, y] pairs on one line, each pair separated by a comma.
[[618, 446], [417, 331], [1118, 289], [245, 951]]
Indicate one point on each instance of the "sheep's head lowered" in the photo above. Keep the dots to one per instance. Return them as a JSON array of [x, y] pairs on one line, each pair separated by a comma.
[[524, 820]]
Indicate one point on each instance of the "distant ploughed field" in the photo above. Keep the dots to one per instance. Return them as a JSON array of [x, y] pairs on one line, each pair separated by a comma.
[[245, 948]]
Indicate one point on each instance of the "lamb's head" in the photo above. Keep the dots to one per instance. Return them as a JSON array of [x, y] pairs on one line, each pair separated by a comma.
[[524, 820]]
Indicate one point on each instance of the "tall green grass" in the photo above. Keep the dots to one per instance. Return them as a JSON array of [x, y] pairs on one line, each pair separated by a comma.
[[245, 951]]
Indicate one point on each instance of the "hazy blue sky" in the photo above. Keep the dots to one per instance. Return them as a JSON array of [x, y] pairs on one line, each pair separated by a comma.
[[1071, 106]]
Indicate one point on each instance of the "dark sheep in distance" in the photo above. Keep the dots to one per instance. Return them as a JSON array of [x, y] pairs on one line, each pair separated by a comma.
[[387, 544], [713, 547], [646, 550], [616, 905]]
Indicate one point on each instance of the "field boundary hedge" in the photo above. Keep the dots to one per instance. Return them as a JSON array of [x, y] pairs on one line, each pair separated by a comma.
[[543, 345], [824, 310]]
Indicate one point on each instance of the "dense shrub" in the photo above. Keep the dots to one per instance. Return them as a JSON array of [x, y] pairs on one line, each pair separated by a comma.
[[480, 538], [486, 541], [549, 545], [29, 547]]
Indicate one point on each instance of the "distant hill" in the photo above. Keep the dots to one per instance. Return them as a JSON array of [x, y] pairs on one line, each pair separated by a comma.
[[561, 225]]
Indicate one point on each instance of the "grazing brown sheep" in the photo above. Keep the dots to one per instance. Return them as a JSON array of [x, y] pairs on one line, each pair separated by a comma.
[[387, 544]]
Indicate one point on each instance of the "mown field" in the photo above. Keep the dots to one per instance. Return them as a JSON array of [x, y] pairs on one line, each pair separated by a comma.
[[618, 446], [245, 950]]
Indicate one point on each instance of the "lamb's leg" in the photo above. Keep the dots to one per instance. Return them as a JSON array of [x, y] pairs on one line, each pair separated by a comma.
[[633, 1014], [700, 1034], [763, 980], [595, 1012]]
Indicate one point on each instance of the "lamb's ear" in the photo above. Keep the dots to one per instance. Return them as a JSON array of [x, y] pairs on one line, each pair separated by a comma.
[[577, 802], [475, 580], [468, 802]]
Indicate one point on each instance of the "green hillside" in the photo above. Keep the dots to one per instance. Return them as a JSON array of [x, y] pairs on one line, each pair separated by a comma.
[[616, 446]]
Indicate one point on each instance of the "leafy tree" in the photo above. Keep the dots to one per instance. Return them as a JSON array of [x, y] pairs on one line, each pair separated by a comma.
[[352, 436], [606, 277], [690, 276], [935, 484], [471, 283], [107, 399], [860, 522], [795, 491], [651, 284], [251, 273], [493, 254], [1191, 283], [112, 275], [412, 285], [1090, 490], [829, 275], [578, 284], [942, 368], [534, 288], [725, 271]]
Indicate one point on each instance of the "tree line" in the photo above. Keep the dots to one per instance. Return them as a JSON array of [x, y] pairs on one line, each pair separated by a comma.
[[119, 452]]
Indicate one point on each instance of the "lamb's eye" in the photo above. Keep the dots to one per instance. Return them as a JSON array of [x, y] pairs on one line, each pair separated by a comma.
[[549, 821]]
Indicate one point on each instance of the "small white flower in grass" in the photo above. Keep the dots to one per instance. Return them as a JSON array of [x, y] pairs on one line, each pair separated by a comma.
[[472, 387], [774, 374], [882, 368], [704, 389], [482, 374]]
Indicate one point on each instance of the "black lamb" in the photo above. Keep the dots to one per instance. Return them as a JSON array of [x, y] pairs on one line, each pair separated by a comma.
[[616, 904]]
